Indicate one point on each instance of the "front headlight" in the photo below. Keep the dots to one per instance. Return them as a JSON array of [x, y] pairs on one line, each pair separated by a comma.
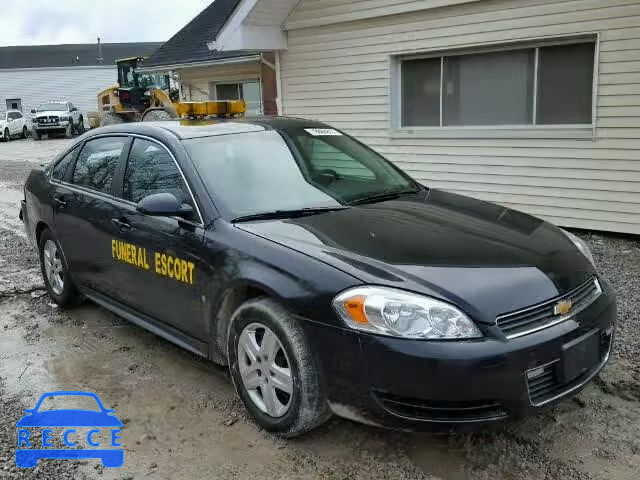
[[396, 313], [581, 245]]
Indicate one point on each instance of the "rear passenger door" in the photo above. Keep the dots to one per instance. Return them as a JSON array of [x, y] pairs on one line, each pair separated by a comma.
[[84, 205], [166, 278]]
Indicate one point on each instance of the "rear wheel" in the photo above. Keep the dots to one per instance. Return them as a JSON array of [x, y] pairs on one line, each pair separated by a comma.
[[55, 271], [273, 369], [25, 132], [110, 118]]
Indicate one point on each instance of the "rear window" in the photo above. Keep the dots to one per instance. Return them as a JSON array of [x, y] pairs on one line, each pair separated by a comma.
[[97, 162], [60, 168]]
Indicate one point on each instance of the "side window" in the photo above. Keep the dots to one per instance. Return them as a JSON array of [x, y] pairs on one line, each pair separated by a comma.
[[97, 163], [150, 170], [17, 115], [60, 168], [323, 156], [12, 116]]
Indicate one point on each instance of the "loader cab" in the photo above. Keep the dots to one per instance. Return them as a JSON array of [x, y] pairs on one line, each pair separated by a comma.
[[134, 87]]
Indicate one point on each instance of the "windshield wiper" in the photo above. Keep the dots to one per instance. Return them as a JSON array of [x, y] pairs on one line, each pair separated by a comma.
[[380, 197], [299, 212]]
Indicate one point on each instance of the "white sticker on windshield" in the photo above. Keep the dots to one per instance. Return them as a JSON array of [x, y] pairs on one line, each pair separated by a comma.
[[318, 132]]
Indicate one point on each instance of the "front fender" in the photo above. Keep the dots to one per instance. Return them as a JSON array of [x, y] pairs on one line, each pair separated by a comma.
[[246, 265]]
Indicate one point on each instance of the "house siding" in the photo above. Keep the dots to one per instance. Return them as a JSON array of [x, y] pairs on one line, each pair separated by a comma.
[[79, 85], [340, 73]]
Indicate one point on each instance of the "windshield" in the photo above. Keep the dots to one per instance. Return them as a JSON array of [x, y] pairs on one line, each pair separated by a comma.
[[259, 172], [58, 107]]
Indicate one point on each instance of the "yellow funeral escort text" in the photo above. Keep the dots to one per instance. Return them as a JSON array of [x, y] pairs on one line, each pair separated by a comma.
[[164, 265]]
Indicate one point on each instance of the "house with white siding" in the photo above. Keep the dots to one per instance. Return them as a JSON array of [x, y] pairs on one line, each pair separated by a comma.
[[530, 104], [33, 74], [203, 73]]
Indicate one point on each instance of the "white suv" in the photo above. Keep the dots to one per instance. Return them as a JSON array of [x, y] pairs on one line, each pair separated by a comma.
[[12, 124], [57, 117]]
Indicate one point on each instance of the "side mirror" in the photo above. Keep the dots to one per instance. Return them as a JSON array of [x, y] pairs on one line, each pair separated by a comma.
[[33, 111], [164, 205]]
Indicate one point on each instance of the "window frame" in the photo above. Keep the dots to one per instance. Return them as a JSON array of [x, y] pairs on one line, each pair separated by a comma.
[[533, 130]]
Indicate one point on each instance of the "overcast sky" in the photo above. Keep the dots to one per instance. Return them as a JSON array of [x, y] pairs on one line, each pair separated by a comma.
[[45, 22]]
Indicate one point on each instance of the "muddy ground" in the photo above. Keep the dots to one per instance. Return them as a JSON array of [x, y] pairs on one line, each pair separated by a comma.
[[183, 420]]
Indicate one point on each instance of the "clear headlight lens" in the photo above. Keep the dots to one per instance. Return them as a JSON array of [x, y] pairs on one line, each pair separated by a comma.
[[581, 245], [392, 312]]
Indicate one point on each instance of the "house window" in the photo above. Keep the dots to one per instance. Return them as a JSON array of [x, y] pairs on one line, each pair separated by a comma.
[[247, 90], [545, 85]]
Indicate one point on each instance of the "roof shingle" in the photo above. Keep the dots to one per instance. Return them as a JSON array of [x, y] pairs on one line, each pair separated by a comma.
[[189, 45], [71, 55]]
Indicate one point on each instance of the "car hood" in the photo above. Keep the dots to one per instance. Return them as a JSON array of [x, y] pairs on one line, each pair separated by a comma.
[[52, 113], [69, 418], [483, 257]]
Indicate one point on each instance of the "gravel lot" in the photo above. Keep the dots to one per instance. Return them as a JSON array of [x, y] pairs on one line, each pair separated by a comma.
[[183, 420]]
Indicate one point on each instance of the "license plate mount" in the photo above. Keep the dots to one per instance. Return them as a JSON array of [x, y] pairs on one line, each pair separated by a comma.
[[580, 355]]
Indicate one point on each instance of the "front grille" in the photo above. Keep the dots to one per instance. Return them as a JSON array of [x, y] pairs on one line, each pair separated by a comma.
[[537, 317], [439, 411], [48, 120], [545, 384]]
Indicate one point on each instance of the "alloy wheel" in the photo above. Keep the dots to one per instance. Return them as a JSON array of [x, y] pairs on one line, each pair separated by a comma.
[[265, 370], [53, 267]]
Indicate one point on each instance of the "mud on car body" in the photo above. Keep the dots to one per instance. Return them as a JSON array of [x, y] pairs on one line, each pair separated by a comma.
[[325, 277]]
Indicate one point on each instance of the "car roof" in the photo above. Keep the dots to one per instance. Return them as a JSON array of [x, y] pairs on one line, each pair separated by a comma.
[[187, 129]]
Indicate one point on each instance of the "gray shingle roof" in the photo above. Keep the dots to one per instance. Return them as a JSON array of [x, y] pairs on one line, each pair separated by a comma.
[[71, 55], [189, 45]]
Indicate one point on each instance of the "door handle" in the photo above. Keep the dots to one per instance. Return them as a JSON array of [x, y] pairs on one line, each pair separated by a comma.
[[121, 224], [60, 202]]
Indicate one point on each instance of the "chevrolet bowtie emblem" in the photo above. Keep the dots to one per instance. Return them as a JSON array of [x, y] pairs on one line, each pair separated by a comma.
[[562, 307]]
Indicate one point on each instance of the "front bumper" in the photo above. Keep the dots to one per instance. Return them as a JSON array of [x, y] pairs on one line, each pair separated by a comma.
[[51, 126], [439, 386]]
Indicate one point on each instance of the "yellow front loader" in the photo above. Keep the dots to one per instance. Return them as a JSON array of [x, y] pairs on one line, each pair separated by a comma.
[[148, 97]]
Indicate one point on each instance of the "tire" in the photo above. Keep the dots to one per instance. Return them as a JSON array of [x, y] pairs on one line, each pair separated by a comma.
[[6, 136], [110, 118], [80, 129], [37, 135], [290, 365], [25, 132], [59, 285], [68, 132], [156, 115]]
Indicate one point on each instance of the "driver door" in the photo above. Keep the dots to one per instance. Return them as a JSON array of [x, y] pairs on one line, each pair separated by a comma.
[[167, 278]]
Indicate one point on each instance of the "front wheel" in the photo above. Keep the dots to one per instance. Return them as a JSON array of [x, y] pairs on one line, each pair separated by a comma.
[[37, 135], [273, 369], [80, 128], [55, 271], [6, 136], [25, 132]]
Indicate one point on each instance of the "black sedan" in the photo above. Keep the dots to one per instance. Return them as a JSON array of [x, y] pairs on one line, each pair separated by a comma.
[[325, 277]]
